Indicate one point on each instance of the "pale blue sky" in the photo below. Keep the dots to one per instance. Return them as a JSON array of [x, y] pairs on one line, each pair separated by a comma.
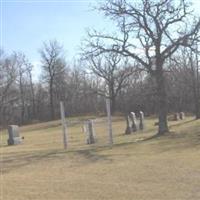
[[26, 24]]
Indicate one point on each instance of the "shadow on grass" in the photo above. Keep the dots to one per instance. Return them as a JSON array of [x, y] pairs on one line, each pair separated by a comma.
[[90, 154], [77, 157], [170, 133], [15, 161], [183, 123]]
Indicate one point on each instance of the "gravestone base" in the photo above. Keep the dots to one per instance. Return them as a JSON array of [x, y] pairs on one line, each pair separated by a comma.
[[141, 126], [14, 141], [128, 130], [134, 127]]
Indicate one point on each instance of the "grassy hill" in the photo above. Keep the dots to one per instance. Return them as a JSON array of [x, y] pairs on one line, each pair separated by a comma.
[[137, 166]]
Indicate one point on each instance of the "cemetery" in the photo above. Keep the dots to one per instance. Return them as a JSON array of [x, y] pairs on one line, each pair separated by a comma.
[[89, 163], [100, 100]]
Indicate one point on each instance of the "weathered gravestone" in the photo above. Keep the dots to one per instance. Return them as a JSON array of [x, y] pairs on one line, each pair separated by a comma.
[[128, 126], [134, 121], [14, 136], [176, 117], [182, 115], [89, 130], [85, 130], [141, 116], [64, 125]]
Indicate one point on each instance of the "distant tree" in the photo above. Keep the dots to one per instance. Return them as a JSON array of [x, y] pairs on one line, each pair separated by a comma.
[[156, 28], [8, 76], [185, 70], [25, 85], [195, 73], [53, 66], [32, 89]]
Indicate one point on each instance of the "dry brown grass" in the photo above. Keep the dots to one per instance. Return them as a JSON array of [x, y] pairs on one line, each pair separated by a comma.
[[136, 167]]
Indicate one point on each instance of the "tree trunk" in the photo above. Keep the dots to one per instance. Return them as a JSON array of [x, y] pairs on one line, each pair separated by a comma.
[[197, 88], [32, 97], [196, 99], [22, 100], [197, 110], [112, 97], [162, 103], [195, 85], [22, 113], [113, 104]]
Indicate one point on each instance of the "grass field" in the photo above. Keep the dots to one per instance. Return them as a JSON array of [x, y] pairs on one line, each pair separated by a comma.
[[136, 167]]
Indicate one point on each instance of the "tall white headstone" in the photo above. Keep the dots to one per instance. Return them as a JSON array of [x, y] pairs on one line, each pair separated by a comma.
[[64, 125], [89, 131], [128, 126], [134, 121], [109, 121], [141, 125]]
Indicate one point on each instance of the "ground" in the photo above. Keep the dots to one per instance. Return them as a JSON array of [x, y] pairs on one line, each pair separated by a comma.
[[137, 166]]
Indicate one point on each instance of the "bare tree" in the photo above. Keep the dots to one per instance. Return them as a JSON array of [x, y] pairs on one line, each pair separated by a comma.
[[32, 89], [153, 27], [22, 81], [53, 65], [8, 76], [114, 71], [185, 69]]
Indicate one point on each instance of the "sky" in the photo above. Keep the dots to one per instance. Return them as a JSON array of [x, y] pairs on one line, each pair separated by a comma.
[[26, 24]]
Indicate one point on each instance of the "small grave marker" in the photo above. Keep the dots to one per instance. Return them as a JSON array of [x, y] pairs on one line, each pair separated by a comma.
[[182, 115], [176, 117]]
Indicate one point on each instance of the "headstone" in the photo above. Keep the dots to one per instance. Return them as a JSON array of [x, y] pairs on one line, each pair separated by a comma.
[[134, 121], [176, 117], [128, 126], [141, 116], [89, 130], [14, 136], [85, 130], [182, 115], [64, 125]]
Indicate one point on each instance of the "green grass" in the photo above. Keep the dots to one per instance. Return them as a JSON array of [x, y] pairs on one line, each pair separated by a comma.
[[137, 166]]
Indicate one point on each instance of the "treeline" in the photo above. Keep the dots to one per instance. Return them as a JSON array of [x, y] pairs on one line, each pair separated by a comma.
[[84, 85], [24, 101], [151, 64]]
